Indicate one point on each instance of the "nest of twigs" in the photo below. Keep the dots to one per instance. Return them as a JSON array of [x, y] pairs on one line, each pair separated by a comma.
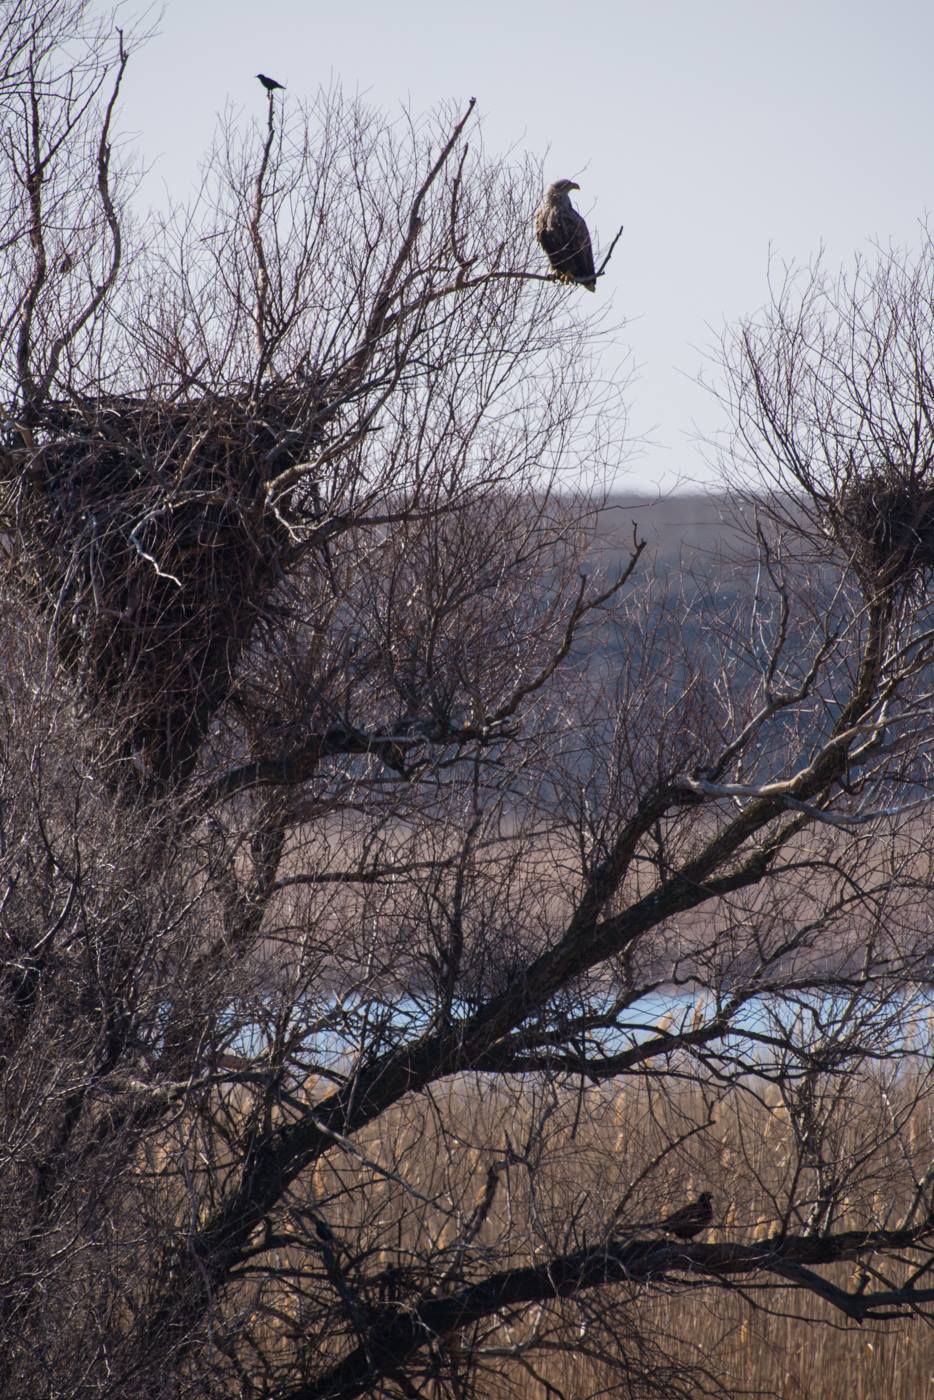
[[885, 521], [143, 531]]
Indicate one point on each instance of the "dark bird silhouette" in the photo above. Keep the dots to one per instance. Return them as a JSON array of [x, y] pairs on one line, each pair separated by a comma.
[[689, 1220], [270, 84], [323, 1231], [564, 236]]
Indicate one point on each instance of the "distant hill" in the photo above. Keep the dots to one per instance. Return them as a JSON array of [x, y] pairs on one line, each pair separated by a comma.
[[681, 531], [697, 559]]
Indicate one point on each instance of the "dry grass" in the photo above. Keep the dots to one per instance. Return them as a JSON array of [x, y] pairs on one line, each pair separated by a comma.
[[422, 1170]]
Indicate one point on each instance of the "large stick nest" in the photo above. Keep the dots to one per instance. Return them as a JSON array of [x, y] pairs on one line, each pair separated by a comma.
[[885, 521], [144, 533]]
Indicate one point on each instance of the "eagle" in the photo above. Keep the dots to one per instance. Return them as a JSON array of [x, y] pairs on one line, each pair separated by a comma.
[[564, 236], [690, 1220]]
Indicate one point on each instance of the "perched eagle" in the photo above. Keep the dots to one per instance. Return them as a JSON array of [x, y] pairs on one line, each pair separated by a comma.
[[564, 236]]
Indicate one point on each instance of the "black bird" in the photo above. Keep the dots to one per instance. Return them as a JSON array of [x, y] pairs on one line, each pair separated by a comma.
[[689, 1220], [323, 1231], [270, 84]]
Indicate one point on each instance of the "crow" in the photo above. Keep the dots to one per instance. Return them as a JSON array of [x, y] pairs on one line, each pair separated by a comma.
[[270, 83]]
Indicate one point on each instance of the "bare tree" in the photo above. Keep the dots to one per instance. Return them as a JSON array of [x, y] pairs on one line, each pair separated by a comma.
[[402, 914]]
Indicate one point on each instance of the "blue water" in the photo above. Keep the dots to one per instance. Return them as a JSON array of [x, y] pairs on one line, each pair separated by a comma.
[[336, 1030]]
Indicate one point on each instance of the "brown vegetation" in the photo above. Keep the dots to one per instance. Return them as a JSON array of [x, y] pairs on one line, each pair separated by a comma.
[[402, 911]]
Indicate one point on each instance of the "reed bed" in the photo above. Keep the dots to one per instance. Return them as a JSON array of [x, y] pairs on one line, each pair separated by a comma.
[[404, 1192]]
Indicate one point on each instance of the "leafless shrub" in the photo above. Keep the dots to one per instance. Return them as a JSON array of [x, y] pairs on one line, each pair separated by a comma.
[[399, 914]]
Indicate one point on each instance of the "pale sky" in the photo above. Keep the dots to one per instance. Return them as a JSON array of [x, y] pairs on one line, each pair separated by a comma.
[[714, 131]]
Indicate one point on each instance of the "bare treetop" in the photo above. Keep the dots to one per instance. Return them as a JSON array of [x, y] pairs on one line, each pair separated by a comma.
[[435, 947]]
